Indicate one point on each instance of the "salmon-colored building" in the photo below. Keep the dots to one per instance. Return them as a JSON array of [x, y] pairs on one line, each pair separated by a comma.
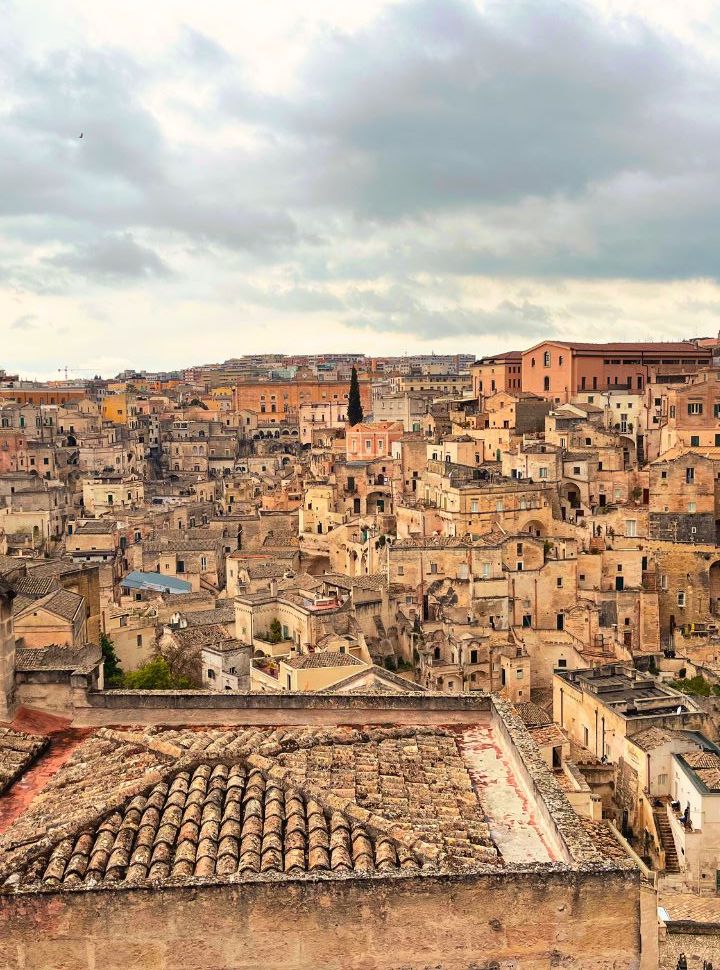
[[13, 452], [43, 394], [503, 372], [560, 369], [366, 442], [279, 401]]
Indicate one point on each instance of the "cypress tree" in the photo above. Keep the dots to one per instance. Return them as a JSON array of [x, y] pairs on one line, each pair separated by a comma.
[[354, 411]]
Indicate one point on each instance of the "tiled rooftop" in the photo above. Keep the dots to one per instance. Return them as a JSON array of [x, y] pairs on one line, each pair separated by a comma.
[[17, 750], [328, 658], [178, 804], [80, 659]]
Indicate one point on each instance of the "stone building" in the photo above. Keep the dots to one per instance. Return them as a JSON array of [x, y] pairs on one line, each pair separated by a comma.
[[199, 561], [683, 500]]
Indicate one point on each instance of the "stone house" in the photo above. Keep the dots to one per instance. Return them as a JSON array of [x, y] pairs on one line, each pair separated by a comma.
[[199, 561], [57, 619], [108, 493], [684, 497]]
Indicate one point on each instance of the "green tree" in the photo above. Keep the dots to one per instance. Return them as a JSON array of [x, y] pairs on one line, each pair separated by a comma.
[[113, 670], [354, 411], [697, 686], [275, 635], [155, 675]]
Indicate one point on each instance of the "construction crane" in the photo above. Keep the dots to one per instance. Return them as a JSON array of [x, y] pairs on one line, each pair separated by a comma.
[[74, 370]]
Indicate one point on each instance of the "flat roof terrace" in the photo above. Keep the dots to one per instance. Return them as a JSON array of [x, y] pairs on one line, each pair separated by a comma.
[[626, 691]]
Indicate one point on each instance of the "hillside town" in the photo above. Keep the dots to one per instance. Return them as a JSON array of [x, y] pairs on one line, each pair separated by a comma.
[[390, 641]]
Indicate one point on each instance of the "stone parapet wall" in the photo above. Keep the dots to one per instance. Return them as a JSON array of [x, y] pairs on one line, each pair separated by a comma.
[[197, 700], [534, 919]]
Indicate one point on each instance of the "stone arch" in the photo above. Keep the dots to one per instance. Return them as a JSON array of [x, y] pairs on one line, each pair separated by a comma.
[[571, 493]]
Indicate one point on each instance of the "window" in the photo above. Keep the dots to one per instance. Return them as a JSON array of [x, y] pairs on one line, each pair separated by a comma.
[[663, 474], [433, 567], [631, 528], [559, 582], [663, 582], [543, 472], [211, 674], [401, 570], [486, 570], [519, 673], [139, 639], [546, 358], [562, 662], [519, 567], [180, 566], [695, 407], [692, 508], [474, 508], [689, 475], [519, 548], [586, 737], [499, 506], [576, 470], [681, 599], [123, 621], [694, 440]]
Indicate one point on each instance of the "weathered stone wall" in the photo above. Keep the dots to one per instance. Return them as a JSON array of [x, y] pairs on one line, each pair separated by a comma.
[[204, 700], [532, 919], [678, 527]]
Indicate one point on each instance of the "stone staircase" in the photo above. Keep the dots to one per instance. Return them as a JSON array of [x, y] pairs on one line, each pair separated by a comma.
[[664, 833]]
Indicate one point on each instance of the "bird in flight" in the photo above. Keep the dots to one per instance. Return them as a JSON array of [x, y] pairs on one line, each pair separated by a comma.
[[81, 134]]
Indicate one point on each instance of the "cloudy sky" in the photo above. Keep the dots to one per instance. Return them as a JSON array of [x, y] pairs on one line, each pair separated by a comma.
[[387, 177]]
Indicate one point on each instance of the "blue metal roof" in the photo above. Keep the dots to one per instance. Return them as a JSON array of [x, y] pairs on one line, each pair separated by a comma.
[[155, 581]]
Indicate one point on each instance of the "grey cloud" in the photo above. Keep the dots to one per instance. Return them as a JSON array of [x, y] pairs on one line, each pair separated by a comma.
[[123, 174], [113, 258], [401, 313], [28, 321], [445, 139], [440, 107], [300, 298], [441, 103]]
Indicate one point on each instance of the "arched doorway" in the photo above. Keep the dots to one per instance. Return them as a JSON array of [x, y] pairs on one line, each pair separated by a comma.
[[535, 528], [571, 494]]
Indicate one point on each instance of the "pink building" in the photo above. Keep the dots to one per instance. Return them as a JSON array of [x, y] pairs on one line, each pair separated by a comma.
[[366, 442], [13, 452]]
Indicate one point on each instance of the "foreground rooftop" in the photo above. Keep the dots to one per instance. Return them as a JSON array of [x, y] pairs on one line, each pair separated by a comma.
[[140, 807]]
